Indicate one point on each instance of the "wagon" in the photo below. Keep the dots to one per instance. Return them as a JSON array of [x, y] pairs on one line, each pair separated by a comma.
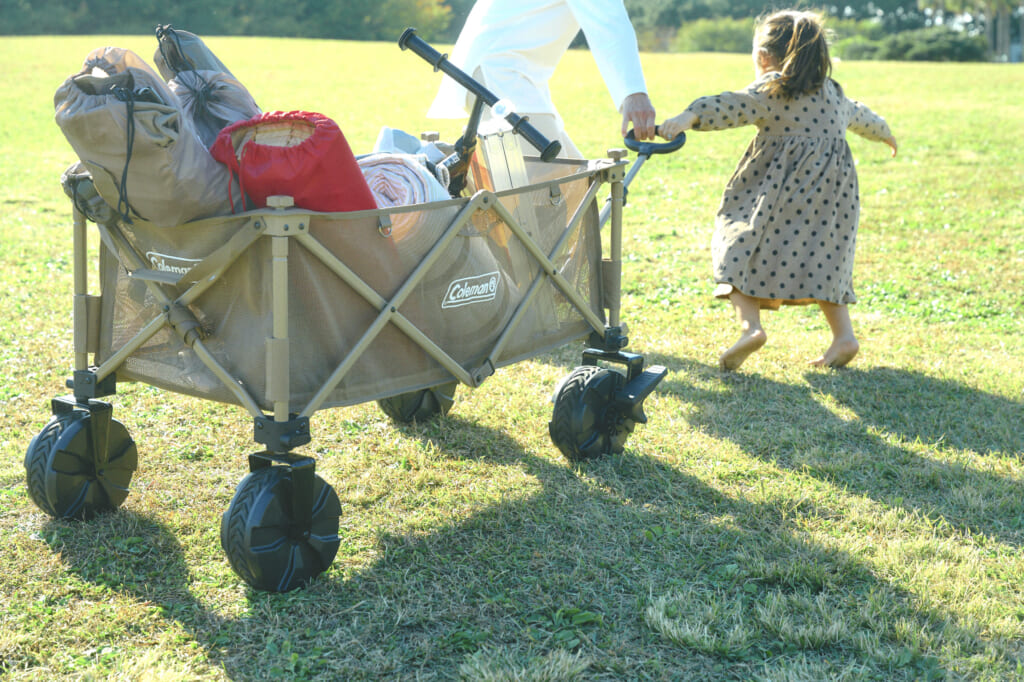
[[284, 312]]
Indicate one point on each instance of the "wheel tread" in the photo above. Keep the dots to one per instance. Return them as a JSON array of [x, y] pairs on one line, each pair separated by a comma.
[[286, 562], [38, 458], [420, 406], [561, 428], [235, 521]]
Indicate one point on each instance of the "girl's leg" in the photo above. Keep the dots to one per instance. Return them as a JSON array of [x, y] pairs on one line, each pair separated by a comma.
[[844, 344], [748, 312]]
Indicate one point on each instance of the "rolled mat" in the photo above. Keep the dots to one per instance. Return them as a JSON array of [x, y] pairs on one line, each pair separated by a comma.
[[401, 180]]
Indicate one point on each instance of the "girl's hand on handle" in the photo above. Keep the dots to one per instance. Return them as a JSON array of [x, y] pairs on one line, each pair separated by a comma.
[[671, 127]]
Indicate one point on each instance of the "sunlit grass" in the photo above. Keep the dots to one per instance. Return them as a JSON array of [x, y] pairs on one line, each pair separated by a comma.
[[782, 523]]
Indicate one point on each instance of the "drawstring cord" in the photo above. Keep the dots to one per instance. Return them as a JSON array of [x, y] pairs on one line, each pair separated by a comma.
[[176, 62], [126, 96]]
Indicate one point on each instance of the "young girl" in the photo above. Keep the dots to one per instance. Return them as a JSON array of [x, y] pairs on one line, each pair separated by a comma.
[[787, 226]]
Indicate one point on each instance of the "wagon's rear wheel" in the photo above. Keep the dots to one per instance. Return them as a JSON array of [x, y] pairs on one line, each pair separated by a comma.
[[421, 405], [265, 545], [80, 464], [585, 423]]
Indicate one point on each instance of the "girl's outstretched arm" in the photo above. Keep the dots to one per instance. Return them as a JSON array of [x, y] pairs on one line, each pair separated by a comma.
[[871, 126], [731, 109], [671, 127], [892, 143]]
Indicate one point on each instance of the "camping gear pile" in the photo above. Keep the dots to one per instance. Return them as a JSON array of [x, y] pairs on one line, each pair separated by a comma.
[[173, 147]]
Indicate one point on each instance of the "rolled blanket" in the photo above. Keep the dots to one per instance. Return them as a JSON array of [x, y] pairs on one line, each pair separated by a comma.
[[401, 180]]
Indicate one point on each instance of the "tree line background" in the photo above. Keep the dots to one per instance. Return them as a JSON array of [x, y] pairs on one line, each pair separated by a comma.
[[940, 30]]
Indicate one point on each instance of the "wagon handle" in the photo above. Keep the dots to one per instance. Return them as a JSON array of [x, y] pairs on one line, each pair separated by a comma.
[[648, 148], [643, 150], [548, 148]]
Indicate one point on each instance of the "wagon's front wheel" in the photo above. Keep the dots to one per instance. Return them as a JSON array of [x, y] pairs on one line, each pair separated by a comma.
[[420, 406], [80, 464], [265, 545], [585, 422]]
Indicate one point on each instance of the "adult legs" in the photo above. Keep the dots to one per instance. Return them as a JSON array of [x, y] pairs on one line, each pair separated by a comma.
[[752, 335], [549, 124], [844, 344], [550, 127]]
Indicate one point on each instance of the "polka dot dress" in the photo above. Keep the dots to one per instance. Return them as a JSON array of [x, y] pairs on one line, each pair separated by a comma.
[[786, 229]]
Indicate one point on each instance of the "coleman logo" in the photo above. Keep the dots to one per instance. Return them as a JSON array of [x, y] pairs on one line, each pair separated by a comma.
[[476, 289], [175, 264]]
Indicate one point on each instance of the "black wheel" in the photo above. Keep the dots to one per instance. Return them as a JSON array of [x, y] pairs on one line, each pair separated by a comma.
[[67, 478], [585, 423], [420, 406], [264, 545]]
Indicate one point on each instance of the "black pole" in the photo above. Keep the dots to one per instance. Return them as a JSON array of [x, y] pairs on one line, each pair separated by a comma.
[[465, 147], [548, 148]]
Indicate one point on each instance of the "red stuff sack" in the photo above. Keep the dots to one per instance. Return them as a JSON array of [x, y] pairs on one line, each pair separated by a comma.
[[298, 153]]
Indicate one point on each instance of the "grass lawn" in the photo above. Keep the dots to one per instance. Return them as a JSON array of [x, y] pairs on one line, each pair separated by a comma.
[[780, 523]]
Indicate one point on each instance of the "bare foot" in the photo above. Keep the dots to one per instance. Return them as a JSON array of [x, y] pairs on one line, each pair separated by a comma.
[[741, 350], [839, 353]]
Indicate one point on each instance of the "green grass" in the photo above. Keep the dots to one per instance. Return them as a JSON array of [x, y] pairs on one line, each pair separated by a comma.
[[780, 523]]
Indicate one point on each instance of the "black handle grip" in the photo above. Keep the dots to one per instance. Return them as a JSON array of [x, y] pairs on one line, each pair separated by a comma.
[[648, 148], [548, 148], [410, 41]]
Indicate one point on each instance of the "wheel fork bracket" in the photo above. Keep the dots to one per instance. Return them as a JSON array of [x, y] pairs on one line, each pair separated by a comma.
[[633, 362], [100, 415], [85, 385], [302, 470], [281, 436], [640, 382], [635, 392]]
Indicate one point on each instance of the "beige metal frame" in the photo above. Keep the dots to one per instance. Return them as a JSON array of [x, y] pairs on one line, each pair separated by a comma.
[[281, 224]]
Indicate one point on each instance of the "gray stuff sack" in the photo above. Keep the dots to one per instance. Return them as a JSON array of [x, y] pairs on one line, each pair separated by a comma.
[[210, 95], [213, 100], [145, 157], [179, 51]]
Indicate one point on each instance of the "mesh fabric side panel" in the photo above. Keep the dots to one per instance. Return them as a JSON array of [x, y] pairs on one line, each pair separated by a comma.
[[463, 301]]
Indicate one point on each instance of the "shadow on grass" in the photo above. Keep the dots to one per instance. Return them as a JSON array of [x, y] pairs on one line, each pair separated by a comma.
[[127, 551], [131, 553], [934, 411], [612, 560], [874, 441], [593, 561]]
